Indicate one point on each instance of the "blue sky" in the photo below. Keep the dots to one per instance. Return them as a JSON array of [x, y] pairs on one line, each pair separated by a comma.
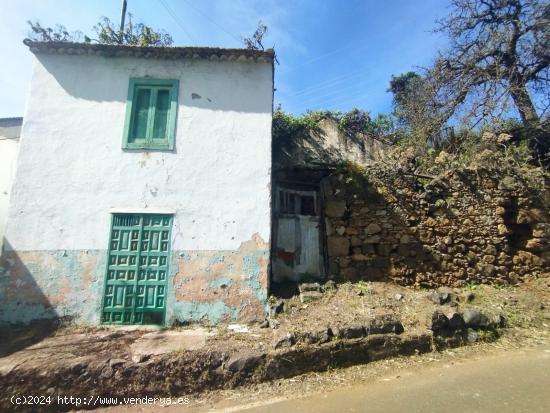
[[333, 54]]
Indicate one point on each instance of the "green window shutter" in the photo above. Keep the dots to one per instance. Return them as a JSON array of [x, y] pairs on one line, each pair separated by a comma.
[[162, 109], [142, 103], [151, 112]]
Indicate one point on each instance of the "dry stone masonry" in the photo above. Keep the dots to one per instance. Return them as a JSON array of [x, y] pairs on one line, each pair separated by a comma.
[[465, 226]]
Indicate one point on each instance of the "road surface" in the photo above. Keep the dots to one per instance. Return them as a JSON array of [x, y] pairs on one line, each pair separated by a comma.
[[514, 381], [518, 382]]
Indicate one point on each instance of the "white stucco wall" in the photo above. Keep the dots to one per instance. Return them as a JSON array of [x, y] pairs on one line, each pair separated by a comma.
[[8, 154], [72, 172]]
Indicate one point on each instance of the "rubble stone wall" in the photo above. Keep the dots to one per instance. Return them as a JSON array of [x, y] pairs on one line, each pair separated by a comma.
[[466, 226]]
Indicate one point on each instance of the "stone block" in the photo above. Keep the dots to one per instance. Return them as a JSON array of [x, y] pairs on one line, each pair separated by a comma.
[[303, 287], [352, 231], [338, 246], [535, 245], [350, 331], [384, 324], [439, 321], [383, 249], [309, 296], [380, 262], [335, 209], [373, 239], [356, 241], [373, 229], [375, 274], [530, 216], [349, 273], [245, 361], [475, 319]]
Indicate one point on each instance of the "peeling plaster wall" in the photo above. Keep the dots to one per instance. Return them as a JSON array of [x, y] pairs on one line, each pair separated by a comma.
[[49, 284], [72, 173], [214, 286]]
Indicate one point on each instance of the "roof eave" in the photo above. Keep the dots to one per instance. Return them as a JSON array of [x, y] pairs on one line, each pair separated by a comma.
[[205, 53]]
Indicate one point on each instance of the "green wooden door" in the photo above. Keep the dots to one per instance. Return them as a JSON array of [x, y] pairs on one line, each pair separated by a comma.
[[137, 269]]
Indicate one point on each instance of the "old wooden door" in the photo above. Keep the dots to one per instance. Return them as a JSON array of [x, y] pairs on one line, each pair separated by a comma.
[[137, 269], [297, 238]]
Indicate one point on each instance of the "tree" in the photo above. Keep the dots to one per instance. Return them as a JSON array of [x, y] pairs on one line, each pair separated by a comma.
[[107, 33], [498, 58], [58, 33], [414, 107], [255, 42], [133, 34]]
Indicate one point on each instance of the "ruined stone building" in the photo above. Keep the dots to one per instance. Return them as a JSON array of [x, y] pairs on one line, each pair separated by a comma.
[[341, 213], [301, 165], [142, 190]]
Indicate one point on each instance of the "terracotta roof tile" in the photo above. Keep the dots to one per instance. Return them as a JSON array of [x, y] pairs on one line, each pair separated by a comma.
[[209, 53]]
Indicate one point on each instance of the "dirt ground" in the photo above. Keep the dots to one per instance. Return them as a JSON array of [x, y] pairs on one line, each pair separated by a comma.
[[318, 386], [525, 306], [108, 354]]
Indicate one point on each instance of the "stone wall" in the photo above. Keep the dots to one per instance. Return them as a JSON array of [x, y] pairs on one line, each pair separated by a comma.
[[324, 144], [465, 226]]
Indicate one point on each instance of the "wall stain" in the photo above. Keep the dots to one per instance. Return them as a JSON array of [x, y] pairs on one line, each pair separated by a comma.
[[204, 286]]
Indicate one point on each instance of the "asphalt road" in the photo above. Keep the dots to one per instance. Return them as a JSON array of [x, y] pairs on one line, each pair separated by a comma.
[[517, 382], [514, 381]]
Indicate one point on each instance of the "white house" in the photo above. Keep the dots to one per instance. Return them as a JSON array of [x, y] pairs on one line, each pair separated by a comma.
[[10, 129], [142, 190]]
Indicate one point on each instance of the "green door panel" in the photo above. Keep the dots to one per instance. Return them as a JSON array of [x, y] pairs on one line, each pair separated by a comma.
[[137, 269]]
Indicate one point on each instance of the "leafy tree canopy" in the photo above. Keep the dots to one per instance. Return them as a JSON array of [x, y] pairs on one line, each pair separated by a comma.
[[133, 34]]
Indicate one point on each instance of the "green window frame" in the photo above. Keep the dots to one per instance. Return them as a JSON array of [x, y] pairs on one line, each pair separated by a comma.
[[151, 112]]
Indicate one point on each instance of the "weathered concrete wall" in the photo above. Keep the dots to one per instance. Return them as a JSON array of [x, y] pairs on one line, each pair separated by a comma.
[[8, 154], [72, 173], [325, 144], [205, 286], [50, 284], [10, 130], [468, 226], [214, 286]]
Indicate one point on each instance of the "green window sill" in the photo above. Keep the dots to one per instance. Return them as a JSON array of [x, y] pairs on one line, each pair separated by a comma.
[[148, 147]]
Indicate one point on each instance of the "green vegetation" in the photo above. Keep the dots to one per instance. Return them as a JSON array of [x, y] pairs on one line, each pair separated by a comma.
[[133, 34], [286, 125], [352, 123], [471, 286], [362, 287]]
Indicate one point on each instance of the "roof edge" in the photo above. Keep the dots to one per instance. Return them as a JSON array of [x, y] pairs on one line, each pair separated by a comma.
[[192, 52], [11, 121]]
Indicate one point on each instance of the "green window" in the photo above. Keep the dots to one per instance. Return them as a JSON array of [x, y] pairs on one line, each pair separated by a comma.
[[137, 269], [151, 114]]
